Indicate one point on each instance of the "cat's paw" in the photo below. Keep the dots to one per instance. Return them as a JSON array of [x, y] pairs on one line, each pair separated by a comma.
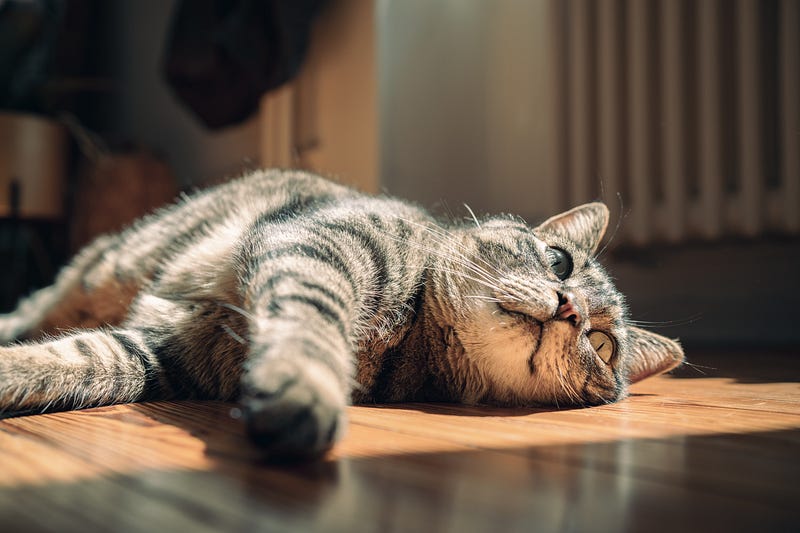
[[294, 408]]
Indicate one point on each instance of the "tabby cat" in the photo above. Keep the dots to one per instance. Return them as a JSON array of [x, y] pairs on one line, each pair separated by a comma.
[[296, 296]]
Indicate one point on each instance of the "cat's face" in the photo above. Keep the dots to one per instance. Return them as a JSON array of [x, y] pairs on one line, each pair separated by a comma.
[[539, 320]]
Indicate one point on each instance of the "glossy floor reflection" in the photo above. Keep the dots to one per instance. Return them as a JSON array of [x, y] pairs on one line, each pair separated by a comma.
[[710, 453]]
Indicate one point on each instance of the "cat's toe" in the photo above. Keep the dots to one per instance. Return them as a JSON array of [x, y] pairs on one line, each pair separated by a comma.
[[297, 411]]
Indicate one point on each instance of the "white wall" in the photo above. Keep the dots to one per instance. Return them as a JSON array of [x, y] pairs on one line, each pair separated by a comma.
[[465, 105], [146, 112]]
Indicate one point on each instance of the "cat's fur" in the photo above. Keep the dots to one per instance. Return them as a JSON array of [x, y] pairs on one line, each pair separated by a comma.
[[296, 296]]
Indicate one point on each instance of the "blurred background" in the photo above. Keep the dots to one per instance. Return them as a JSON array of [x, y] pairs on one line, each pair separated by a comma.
[[682, 115]]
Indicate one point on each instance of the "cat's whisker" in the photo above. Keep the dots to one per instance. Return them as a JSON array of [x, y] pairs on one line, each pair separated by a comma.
[[455, 257], [698, 368], [496, 289], [666, 323], [237, 309], [538, 384], [620, 217], [554, 393], [475, 268], [566, 386], [478, 224], [487, 266], [484, 298], [477, 271], [464, 276], [459, 263], [450, 240], [451, 254], [235, 336]]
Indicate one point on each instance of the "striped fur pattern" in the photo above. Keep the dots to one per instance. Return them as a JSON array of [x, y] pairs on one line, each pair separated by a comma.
[[297, 296]]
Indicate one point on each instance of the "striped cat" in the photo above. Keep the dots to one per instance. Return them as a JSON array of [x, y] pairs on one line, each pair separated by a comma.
[[296, 296]]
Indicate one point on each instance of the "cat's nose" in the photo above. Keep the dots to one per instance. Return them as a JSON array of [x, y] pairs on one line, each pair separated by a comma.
[[568, 310]]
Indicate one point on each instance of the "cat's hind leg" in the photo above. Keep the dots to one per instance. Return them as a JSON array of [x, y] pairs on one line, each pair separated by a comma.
[[87, 293], [83, 369]]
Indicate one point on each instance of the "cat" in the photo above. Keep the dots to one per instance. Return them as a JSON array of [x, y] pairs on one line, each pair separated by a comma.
[[297, 296]]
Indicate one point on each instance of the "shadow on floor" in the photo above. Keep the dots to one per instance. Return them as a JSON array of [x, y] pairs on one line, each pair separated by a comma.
[[726, 482]]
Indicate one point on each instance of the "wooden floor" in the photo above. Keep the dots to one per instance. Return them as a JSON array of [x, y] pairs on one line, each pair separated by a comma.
[[693, 452]]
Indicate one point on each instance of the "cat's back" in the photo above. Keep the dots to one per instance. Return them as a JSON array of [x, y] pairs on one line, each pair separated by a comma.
[[256, 195], [195, 248], [234, 204], [199, 228]]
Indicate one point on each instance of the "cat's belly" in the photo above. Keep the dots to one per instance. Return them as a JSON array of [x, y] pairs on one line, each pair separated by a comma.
[[105, 304]]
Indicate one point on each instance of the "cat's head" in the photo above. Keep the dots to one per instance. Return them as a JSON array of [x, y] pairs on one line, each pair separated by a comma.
[[538, 318]]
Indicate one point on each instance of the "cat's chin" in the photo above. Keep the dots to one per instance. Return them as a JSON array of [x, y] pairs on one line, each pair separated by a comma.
[[558, 339], [501, 347], [548, 364]]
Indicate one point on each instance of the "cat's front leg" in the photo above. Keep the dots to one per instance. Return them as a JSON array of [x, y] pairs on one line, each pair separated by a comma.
[[293, 398], [296, 381], [302, 301], [83, 369]]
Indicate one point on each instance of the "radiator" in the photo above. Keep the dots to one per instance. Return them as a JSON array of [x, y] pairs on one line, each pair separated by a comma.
[[682, 115]]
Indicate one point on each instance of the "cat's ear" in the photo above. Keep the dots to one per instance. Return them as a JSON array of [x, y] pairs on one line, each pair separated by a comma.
[[584, 225], [651, 354]]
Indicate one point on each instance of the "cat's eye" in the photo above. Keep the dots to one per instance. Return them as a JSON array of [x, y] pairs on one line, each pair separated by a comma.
[[603, 345], [560, 263]]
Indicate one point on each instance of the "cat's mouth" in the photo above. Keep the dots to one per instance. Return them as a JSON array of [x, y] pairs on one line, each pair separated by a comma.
[[531, 325]]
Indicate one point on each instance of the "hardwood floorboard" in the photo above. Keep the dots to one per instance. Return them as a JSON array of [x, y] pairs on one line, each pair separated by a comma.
[[711, 451]]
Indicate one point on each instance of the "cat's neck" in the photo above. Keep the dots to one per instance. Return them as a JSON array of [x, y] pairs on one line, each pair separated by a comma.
[[427, 364], [450, 376]]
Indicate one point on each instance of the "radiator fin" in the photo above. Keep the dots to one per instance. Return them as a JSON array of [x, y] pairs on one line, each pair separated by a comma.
[[688, 110]]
